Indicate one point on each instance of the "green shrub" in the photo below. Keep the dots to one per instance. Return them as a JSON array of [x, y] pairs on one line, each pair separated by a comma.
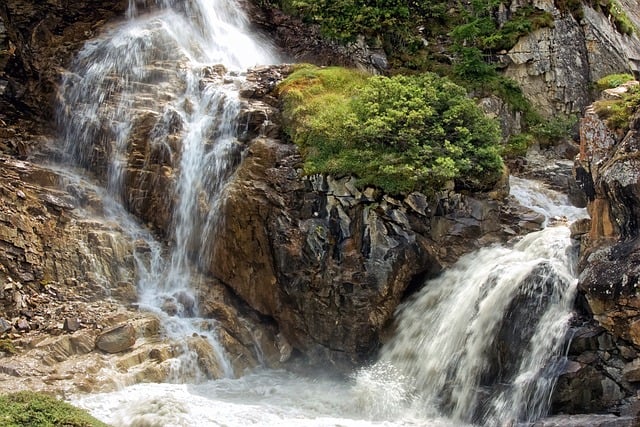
[[620, 19], [613, 81], [517, 145], [618, 112], [550, 131], [30, 409], [613, 9], [400, 133]]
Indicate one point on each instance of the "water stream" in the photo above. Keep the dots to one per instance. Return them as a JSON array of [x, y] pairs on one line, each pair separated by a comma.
[[479, 344], [159, 73]]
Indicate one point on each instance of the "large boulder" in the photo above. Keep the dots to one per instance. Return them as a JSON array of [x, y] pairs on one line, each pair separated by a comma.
[[330, 262]]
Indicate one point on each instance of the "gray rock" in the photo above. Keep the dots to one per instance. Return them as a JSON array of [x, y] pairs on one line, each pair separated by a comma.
[[71, 324], [4, 326], [584, 420]]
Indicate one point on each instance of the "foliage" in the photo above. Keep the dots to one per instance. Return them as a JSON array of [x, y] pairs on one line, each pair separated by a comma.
[[400, 133], [481, 30], [618, 112], [614, 10], [574, 7], [30, 409], [383, 24], [6, 346], [620, 19], [554, 129], [517, 145], [613, 81]]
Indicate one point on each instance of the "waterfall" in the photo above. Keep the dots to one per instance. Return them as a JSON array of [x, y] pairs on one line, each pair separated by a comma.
[[483, 342], [169, 76], [479, 344]]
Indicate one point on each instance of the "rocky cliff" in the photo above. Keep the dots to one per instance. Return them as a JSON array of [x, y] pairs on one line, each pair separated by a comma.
[[603, 370], [313, 259], [556, 65]]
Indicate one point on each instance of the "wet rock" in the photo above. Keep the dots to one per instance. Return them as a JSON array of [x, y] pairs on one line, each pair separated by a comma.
[[207, 359], [117, 339], [187, 303], [330, 262], [22, 325]]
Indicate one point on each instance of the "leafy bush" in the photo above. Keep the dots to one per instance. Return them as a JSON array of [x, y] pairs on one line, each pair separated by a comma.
[[399, 133], [613, 9], [613, 81], [550, 131], [29, 409]]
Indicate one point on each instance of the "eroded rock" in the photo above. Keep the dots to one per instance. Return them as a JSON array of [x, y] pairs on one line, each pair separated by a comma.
[[117, 339]]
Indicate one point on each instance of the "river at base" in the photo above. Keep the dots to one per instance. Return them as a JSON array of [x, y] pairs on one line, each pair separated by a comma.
[[264, 398]]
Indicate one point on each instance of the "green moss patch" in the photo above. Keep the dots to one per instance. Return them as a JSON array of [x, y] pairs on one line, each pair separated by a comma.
[[29, 409], [618, 112]]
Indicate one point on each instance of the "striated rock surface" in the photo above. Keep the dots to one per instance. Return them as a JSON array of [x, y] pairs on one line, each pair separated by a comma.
[[555, 65], [330, 263]]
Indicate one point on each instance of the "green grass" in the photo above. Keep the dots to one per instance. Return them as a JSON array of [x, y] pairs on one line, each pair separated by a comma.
[[30, 409], [401, 133], [613, 80], [618, 112]]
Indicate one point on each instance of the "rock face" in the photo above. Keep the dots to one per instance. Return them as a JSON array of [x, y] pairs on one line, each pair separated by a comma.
[[37, 40], [555, 66], [330, 263], [610, 172], [604, 354]]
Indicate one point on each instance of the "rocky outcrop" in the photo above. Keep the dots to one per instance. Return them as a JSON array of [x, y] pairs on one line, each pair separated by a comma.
[[330, 262], [555, 65], [37, 40], [602, 372], [67, 288]]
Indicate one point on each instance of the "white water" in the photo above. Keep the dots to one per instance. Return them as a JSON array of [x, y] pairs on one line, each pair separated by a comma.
[[435, 372], [154, 70], [430, 374]]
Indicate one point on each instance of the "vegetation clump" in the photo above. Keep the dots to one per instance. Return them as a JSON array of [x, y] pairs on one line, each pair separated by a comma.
[[618, 112], [6, 346], [401, 133], [30, 409], [613, 80]]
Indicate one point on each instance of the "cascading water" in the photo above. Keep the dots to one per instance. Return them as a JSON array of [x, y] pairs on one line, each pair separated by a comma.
[[154, 72], [508, 305], [481, 342]]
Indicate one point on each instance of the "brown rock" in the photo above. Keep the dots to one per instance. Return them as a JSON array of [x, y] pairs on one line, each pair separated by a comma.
[[117, 339]]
